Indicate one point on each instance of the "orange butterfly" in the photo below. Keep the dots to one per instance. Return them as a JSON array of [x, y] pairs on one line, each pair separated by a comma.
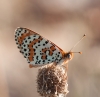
[[40, 51]]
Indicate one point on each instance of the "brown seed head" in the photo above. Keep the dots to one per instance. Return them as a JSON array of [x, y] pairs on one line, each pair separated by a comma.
[[52, 81]]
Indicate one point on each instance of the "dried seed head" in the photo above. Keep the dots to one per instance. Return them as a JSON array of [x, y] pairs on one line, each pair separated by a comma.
[[52, 81]]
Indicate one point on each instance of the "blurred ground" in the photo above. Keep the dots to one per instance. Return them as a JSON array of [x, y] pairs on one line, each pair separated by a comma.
[[61, 21]]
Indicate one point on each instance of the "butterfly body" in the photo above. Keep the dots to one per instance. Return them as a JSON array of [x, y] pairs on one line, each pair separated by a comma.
[[38, 50]]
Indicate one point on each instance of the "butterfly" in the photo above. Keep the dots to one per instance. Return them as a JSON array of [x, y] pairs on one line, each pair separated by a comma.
[[38, 50]]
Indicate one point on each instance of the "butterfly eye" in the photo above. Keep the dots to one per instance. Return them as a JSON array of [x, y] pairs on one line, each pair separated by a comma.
[[69, 56]]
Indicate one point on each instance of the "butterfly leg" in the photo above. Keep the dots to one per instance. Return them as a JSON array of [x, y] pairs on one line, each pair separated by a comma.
[[31, 66], [55, 63], [65, 65]]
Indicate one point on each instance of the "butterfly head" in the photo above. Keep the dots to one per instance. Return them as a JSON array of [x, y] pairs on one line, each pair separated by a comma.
[[69, 56]]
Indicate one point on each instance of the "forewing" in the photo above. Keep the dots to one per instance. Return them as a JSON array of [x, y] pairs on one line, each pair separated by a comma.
[[36, 49]]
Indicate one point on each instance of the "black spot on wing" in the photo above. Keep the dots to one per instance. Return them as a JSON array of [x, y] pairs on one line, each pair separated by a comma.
[[46, 42], [49, 60], [36, 62], [39, 45], [43, 44], [26, 41], [52, 57], [25, 50], [26, 54], [34, 35], [57, 55], [43, 61], [36, 46], [15, 39], [29, 37], [37, 57], [38, 41], [24, 45], [58, 52], [34, 50]]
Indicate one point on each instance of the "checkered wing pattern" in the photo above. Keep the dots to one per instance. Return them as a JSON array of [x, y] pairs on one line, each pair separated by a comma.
[[36, 49]]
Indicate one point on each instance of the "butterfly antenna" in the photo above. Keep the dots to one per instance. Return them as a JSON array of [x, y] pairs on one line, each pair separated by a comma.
[[78, 43], [77, 52]]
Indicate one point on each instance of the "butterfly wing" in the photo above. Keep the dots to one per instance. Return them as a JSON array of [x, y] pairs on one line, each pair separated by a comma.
[[36, 49]]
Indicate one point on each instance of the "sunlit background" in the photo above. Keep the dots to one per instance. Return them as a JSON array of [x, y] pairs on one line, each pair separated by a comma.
[[61, 21]]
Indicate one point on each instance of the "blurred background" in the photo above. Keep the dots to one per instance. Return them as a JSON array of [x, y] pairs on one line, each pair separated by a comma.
[[61, 21]]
